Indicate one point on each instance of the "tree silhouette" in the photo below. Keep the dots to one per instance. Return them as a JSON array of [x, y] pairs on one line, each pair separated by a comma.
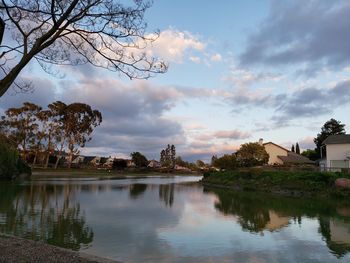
[[105, 33]]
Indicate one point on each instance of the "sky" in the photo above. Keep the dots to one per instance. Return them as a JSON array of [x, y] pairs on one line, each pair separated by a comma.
[[238, 71]]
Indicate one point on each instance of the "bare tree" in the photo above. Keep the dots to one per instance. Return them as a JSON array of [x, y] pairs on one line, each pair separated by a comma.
[[104, 33]]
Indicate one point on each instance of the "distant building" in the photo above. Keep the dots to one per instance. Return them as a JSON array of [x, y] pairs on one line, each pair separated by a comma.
[[154, 164], [279, 155], [337, 155], [182, 168]]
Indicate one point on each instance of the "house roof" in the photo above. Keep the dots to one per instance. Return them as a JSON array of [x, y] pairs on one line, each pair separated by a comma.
[[295, 158], [337, 139], [276, 145], [103, 160], [88, 159]]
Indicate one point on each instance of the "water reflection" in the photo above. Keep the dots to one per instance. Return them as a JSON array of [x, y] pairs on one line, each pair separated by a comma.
[[163, 220], [166, 194], [258, 213], [46, 212]]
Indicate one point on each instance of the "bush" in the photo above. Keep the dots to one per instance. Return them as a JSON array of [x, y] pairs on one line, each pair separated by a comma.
[[10, 163]]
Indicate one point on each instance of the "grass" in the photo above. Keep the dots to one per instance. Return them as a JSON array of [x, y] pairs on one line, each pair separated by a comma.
[[96, 173], [300, 183]]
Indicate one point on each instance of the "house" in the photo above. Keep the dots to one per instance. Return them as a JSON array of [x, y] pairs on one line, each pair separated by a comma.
[[181, 168], [154, 164], [279, 155], [109, 162], [337, 154]]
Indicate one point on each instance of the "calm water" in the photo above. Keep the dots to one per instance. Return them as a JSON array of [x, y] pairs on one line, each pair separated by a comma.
[[175, 220]]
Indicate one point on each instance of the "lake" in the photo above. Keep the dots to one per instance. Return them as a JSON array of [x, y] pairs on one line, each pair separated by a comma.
[[175, 220]]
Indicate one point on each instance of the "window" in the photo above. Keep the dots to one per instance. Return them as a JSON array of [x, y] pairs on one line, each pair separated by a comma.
[[339, 164]]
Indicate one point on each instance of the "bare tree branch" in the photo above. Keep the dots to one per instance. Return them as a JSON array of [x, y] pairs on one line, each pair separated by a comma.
[[104, 33]]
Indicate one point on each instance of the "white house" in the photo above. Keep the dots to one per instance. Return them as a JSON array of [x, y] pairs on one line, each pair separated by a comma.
[[154, 164], [337, 153]]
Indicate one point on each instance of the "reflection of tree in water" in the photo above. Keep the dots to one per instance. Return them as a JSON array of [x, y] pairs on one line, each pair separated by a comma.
[[47, 213], [166, 193], [137, 190], [252, 217], [336, 234], [254, 212]]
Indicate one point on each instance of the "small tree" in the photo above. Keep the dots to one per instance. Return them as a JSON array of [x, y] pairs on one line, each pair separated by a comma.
[[297, 149], [227, 162], [292, 149], [200, 164], [311, 154], [139, 159], [21, 126], [252, 154]]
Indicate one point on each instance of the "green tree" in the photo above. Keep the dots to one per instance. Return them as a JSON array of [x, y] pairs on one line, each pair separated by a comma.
[[139, 159], [104, 33], [168, 156], [227, 162], [297, 148], [311, 154], [330, 127], [179, 161], [292, 149], [252, 154], [21, 125]]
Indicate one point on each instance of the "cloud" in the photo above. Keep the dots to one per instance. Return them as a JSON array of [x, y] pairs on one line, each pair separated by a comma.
[[216, 57], [313, 34], [240, 78], [234, 134], [196, 60], [172, 45], [310, 102]]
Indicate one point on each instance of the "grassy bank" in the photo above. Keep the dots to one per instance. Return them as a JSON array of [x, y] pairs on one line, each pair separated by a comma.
[[100, 173], [279, 182]]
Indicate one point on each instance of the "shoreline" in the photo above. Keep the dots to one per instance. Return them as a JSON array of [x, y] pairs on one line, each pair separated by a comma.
[[102, 174], [289, 184], [17, 249]]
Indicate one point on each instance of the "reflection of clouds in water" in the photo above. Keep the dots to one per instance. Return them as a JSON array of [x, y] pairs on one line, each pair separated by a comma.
[[126, 228], [137, 223]]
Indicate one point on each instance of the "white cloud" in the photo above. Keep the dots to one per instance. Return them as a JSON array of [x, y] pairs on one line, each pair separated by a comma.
[[216, 57], [196, 60], [172, 45]]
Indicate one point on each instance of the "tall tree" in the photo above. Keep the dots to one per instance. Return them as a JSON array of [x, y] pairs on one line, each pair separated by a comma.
[[297, 148], [79, 121], [168, 156], [292, 149], [104, 33], [330, 127]]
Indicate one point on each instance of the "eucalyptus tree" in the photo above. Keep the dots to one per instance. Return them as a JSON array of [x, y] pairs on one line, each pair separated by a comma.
[[104, 33], [79, 122]]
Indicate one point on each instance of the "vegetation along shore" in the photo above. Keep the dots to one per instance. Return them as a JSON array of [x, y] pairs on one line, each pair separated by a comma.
[[289, 183]]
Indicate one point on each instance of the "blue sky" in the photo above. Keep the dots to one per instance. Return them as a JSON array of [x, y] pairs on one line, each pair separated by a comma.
[[238, 71]]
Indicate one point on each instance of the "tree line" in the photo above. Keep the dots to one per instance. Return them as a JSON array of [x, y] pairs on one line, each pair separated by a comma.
[[57, 129]]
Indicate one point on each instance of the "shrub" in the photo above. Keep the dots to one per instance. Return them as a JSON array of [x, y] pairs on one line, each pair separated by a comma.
[[8, 161]]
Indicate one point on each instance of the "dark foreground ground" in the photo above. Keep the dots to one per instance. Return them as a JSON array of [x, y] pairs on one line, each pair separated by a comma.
[[14, 249]]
